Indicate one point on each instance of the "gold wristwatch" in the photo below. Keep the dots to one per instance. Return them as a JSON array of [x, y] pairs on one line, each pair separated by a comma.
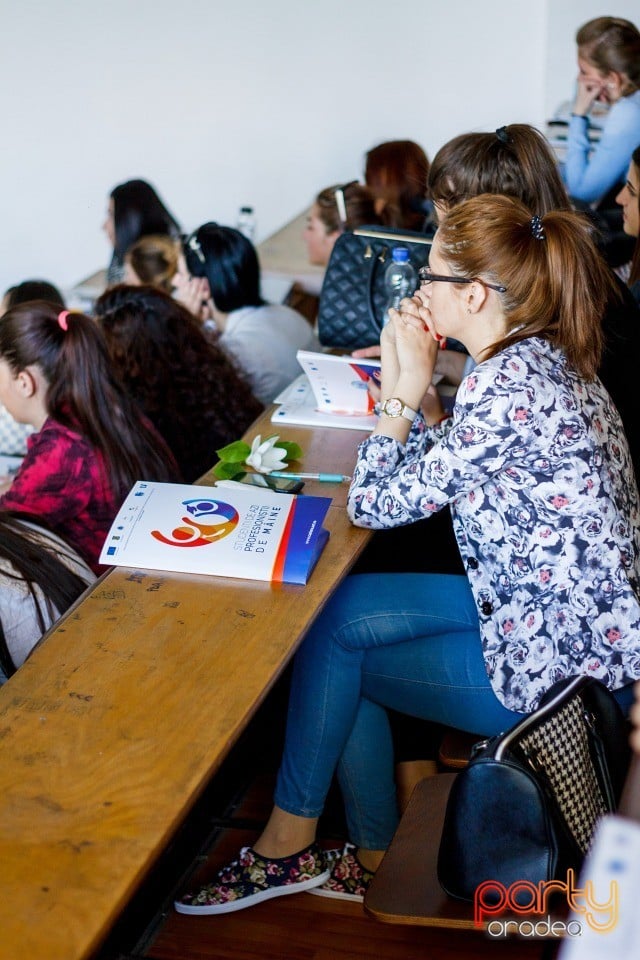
[[393, 407]]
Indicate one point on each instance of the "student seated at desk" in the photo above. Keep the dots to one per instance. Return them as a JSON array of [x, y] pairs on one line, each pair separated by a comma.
[[516, 160], [13, 435], [536, 468], [609, 72], [184, 383], [91, 443], [135, 210], [334, 210], [40, 577], [219, 280]]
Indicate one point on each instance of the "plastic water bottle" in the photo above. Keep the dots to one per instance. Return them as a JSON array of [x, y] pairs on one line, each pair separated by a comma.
[[246, 222], [400, 279]]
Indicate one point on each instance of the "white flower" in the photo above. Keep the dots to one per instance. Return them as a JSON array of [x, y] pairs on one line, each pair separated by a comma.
[[265, 456]]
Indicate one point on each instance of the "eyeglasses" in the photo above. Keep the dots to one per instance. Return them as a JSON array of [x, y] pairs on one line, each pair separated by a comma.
[[427, 277]]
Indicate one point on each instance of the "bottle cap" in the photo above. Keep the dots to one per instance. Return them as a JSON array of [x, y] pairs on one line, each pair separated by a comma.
[[246, 209], [400, 254]]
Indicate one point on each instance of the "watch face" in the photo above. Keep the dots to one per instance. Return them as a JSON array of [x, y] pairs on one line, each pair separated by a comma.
[[393, 407]]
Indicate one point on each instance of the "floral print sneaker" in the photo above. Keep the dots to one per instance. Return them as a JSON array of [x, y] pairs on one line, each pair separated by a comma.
[[253, 878], [349, 880]]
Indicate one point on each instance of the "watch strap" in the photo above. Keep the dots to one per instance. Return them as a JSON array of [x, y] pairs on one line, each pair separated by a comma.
[[404, 410]]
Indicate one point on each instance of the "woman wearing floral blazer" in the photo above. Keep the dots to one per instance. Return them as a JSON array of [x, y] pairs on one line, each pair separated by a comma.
[[536, 469]]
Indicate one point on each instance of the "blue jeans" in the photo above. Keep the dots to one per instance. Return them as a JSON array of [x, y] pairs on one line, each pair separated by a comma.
[[406, 641]]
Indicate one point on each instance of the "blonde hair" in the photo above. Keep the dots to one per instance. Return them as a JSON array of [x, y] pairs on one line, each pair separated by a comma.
[[154, 259]]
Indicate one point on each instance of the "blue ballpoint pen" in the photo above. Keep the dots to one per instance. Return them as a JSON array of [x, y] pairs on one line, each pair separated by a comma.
[[325, 477]]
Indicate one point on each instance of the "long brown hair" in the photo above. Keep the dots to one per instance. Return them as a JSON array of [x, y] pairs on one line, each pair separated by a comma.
[[556, 281], [515, 160], [82, 393], [396, 172]]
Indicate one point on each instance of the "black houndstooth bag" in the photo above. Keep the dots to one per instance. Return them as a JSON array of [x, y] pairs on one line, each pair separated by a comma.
[[526, 806], [353, 296]]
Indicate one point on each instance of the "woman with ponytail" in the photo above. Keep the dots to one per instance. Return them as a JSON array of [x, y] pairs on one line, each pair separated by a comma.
[[536, 469], [92, 443]]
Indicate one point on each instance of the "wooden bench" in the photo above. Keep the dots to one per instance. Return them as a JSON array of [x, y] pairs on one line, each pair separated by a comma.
[[406, 890], [456, 747], [111, 731]]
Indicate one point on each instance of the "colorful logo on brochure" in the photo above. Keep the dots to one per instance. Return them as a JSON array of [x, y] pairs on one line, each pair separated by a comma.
[[194, 534]]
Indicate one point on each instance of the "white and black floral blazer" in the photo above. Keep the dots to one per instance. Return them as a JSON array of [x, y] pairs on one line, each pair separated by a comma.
[[546, 513]]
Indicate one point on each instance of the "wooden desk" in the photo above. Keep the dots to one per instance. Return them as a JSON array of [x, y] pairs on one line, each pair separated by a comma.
[[111, 730], [284, 254]]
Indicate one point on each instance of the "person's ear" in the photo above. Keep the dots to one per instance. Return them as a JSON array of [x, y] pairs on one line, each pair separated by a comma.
[[475, 296], [26, 383], [615, 81]]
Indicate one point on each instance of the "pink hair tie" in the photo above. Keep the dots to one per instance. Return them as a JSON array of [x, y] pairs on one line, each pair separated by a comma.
[[63, 320]]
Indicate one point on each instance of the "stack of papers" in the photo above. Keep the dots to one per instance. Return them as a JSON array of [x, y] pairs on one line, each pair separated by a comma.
[[332, 392]]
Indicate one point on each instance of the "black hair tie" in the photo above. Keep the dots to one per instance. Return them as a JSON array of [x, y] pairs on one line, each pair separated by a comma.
[[537, 230], [503, 136]]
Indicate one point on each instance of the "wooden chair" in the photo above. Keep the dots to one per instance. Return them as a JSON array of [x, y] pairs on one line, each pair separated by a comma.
[[405, 888], [456, 748]]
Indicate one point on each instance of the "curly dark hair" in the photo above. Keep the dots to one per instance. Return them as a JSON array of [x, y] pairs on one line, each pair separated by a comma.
[[184, 383]]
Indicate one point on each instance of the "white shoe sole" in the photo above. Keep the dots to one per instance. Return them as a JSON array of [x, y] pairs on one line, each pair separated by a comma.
[[334, 895], [205, 910]]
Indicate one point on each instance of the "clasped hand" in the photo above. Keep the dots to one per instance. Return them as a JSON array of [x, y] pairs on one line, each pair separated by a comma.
[[409, 353], [408, 337]]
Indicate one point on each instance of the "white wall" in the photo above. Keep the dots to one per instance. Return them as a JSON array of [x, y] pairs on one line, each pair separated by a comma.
[[222, 103]]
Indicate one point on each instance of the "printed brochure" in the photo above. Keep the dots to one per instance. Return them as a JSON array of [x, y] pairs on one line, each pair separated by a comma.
[[249, 533]]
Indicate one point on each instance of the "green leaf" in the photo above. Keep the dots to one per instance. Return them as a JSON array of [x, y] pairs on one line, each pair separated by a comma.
[[236, 452], [227, 471], [294, 450]]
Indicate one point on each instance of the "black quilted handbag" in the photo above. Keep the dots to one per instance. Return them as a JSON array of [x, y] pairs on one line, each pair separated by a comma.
[[353, 296], [526, 806]]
